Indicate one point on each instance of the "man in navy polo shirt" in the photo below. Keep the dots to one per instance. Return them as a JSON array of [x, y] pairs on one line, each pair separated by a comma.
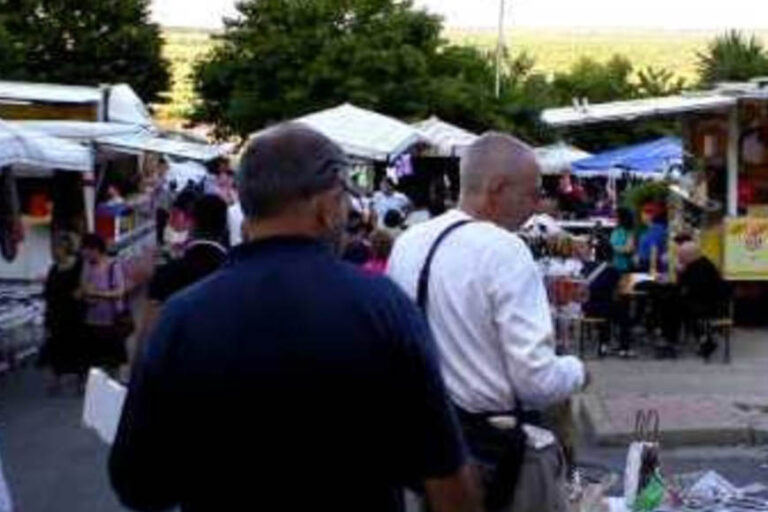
[[289, 380]]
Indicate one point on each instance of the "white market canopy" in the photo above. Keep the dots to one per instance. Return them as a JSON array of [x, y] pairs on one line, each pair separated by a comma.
[[31, 149], [145, 141], [635, 109], [79, 130], [364, 134], [123, 105], [448, 139], [557, 158]]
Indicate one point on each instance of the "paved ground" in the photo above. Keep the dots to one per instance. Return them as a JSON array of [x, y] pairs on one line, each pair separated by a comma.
[[51, 462], [55, 465], [698, 403]]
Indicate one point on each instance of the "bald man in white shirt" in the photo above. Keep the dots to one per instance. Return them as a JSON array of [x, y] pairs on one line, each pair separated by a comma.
[[487, 306]]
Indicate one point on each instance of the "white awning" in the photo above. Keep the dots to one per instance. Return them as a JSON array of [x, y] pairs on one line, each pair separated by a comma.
[[149, 142], [28, 148], [557, 158], [49, 93], [635, 109], [362, 133], [448, 139], [126, 107], [79, 130]]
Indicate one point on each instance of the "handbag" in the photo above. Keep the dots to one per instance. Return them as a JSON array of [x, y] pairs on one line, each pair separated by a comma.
[[123, 324]]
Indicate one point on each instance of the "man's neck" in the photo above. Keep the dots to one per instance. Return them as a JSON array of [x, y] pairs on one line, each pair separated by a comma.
[[473, 210], [264, 229]]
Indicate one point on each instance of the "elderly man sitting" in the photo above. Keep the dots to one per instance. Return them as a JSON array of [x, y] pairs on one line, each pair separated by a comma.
[[700, 291]]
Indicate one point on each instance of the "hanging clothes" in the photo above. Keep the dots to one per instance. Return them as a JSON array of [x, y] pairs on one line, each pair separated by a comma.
[[11, 229]]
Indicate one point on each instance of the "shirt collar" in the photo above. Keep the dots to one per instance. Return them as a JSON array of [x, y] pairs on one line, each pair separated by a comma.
[[209, 243], [277, 243]]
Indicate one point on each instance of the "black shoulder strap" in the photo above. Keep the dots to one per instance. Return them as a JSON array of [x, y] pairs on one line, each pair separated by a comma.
[[423, 291]]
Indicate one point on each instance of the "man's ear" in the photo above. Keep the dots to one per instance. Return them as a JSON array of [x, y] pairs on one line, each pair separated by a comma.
[[324, 208], [494, 189]]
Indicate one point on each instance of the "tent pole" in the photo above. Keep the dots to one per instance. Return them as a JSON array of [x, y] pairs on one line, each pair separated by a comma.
[[500, 47], [733, 162]]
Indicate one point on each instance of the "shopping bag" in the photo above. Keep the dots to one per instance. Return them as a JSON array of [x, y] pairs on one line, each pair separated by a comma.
[[642, 471], [103, 404]]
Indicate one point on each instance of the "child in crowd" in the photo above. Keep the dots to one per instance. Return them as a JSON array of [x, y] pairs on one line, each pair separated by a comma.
[[381, 244]]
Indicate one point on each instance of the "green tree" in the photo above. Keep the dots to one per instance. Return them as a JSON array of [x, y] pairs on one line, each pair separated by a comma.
[[653, 82], [284, 58], [87, 42], [614, 80], [732, 56], [596, 81]]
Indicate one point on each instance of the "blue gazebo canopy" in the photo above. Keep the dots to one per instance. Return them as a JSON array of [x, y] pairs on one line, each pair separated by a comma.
[[649, 159]]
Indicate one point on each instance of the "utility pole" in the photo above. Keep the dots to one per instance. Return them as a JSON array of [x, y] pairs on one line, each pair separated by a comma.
[[500, 47]]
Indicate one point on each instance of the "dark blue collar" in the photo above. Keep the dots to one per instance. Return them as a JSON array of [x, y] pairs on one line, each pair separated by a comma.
[[277, 244]]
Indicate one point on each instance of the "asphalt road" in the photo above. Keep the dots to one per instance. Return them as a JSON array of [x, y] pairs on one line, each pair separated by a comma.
[[53, 464]]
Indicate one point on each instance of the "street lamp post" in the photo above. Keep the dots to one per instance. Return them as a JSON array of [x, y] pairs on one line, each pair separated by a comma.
[[500, 47]]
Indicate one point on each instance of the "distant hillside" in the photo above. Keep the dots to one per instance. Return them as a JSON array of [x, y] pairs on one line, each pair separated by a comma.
[[553, 49], [557, 49]]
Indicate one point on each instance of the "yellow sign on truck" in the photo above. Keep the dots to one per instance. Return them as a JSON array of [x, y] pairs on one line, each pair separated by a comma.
[[746, 249]]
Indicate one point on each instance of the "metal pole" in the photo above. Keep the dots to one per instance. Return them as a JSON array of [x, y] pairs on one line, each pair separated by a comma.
[[500, 47], [732, 206]]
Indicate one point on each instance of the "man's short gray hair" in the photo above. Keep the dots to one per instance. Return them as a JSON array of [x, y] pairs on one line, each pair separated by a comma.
[[492, 153], [284, 165]]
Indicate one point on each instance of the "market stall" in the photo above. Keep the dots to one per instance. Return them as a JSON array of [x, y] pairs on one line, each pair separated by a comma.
[[30, 164], [655, 160], [115, 127], [558, 158], [447, 140], [724, 187], [373, 142], [108, 103]]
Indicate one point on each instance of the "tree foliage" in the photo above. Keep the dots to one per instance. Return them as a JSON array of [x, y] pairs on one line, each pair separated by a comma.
[[87, 42], [281, 59], [595, 81], [732, 56], [284, 58]]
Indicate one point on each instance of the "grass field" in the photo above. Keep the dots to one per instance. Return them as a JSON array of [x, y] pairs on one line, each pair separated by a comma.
[[553, 50]]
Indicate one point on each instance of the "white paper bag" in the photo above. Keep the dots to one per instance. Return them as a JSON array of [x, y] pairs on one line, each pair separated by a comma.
[[103, 405]]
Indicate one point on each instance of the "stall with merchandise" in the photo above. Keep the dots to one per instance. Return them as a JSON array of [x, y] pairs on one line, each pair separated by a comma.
[[722, 195]]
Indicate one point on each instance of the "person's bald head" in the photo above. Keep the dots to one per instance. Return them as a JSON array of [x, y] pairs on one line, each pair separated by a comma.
[[500, 180]]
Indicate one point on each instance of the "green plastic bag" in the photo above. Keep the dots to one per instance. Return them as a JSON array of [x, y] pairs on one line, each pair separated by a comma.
[[651, 498]]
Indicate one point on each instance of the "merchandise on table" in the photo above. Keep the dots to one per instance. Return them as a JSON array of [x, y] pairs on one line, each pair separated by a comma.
[[22, 312]]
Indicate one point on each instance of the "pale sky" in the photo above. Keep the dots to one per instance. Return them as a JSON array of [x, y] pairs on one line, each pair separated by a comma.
[[664, 14]]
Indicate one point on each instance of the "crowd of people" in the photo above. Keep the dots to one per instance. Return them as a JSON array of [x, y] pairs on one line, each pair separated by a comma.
[[345, 348], [89, 318], [342, 353], [654, 302]]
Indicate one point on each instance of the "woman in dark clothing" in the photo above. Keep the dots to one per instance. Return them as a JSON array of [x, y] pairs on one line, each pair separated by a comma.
[[63, 351]]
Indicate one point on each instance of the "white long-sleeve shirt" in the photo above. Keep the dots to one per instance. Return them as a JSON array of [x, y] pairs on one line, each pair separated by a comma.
[[489, 313]]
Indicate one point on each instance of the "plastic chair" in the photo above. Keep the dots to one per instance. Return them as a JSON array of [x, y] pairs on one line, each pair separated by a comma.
[[721, 324]]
